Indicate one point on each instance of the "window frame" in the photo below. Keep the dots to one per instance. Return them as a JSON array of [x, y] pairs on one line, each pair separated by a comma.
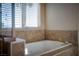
[[31, 28], [21, 17], [41, 20]]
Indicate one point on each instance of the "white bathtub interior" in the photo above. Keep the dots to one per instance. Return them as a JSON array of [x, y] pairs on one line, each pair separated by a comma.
[[38, 48]]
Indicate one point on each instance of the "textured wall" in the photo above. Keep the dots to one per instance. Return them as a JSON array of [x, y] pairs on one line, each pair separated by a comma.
[[31, 35]]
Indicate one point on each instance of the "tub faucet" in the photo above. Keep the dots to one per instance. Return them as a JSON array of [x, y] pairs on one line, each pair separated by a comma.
[[66, 42]]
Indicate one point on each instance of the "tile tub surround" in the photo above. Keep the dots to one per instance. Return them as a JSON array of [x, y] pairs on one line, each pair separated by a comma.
[[31, 35], [60, 35]]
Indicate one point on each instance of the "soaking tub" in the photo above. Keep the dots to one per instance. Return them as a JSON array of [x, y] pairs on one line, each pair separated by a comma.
[[48, 48]]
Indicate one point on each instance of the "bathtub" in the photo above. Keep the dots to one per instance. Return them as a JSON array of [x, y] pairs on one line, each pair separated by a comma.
[[45, 47]]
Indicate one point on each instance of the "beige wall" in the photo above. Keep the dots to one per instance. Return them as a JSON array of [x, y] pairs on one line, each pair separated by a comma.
[[61, 16]]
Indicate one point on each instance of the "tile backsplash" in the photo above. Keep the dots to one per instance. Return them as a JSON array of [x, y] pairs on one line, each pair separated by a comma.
[[64, 36], [31, 35], [59, 35]]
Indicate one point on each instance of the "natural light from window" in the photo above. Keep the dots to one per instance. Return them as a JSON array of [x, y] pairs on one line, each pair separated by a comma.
[[6, 15], [18, 15], [32, 15]]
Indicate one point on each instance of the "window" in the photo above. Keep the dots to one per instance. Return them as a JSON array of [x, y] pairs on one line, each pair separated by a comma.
[[32, 15], [31, 12], [18, 15], [6, 15]]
